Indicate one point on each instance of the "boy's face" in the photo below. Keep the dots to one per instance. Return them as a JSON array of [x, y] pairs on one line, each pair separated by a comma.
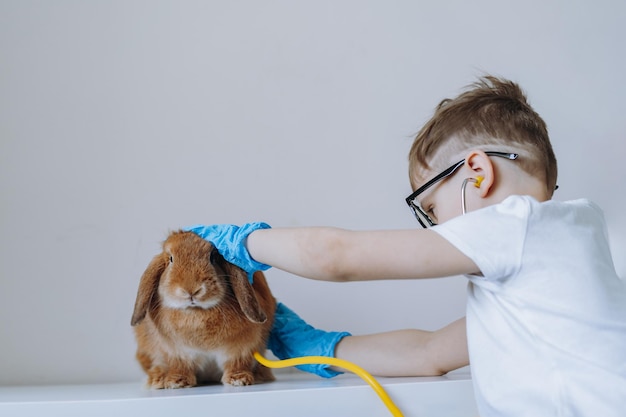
[[471, 184], [442, 195], [442, 201]]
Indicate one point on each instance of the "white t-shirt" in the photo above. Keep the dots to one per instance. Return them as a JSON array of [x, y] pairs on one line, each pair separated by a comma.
[[546, 321]]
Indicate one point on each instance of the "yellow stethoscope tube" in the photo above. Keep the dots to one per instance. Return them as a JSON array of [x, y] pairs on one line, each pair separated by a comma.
[[323, 360]]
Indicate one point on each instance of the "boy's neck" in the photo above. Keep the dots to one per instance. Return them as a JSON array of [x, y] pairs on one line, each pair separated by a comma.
[[521, 183]]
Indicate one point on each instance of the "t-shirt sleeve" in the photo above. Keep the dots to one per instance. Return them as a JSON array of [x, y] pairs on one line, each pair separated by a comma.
[[492, 237]]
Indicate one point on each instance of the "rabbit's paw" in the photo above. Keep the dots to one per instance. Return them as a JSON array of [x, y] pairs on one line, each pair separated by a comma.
[[156, 378], [160, 379], [180, 381], [238, 379]]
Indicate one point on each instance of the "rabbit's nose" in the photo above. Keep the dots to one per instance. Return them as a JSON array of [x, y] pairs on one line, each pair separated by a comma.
[[198, 293], [195, 295], [186, 294]]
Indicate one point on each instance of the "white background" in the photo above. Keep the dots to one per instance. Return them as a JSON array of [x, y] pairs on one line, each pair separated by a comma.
[[122, 120]]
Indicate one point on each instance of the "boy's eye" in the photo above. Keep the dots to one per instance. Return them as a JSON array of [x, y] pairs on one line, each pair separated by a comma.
[[431, 213]]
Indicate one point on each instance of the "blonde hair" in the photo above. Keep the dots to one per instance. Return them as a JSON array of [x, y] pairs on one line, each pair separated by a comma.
[[492, 114]]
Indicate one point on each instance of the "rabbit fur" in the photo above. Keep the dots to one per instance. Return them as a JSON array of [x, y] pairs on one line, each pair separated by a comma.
[[197, 318]]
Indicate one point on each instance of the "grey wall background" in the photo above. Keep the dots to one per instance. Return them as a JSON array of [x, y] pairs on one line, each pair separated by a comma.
[[122, 120]]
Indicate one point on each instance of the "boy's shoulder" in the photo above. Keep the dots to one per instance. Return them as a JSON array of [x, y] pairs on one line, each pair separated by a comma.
[[501, 237], [576, 211], [555, 209], [517, 216]]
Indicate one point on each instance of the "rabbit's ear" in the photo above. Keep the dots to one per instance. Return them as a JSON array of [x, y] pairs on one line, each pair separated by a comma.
[[148, 286], [244, 292]]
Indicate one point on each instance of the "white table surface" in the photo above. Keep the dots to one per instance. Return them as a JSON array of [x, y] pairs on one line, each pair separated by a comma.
[[292, 394]]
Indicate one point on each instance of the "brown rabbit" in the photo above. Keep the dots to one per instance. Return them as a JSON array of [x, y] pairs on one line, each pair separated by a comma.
[[198, 319]]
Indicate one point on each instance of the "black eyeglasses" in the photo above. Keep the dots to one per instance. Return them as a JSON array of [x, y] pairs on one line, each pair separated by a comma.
[[411, 200]]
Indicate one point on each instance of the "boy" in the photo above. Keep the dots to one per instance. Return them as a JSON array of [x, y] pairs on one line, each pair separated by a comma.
[[545, 329]]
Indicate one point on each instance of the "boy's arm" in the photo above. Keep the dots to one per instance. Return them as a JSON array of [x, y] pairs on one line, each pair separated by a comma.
[[342, 255], [408, 352], [396, 353]]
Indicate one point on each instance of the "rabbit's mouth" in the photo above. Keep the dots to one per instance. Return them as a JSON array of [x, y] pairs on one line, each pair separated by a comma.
[[204, 305]]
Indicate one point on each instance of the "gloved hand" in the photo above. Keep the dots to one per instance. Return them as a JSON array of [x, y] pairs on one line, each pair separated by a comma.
[[292, 337], [230, 242]]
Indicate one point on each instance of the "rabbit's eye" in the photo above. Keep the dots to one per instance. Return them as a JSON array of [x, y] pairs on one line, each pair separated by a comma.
[[171, 259], [213, 256]]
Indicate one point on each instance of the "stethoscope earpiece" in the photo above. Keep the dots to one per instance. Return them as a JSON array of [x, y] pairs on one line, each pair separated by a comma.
[[477, 181]]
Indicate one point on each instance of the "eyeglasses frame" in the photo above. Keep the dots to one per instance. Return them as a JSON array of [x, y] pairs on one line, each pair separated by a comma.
[[417, 211]]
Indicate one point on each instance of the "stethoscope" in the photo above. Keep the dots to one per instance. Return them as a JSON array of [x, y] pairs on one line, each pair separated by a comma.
[[477, 181]]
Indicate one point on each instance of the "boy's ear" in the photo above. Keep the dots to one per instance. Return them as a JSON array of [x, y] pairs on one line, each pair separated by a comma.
[[480, 165]]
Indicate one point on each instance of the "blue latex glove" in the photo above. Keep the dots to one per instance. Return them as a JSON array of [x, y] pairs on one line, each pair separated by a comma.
[[230, 242], [292, 337]]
